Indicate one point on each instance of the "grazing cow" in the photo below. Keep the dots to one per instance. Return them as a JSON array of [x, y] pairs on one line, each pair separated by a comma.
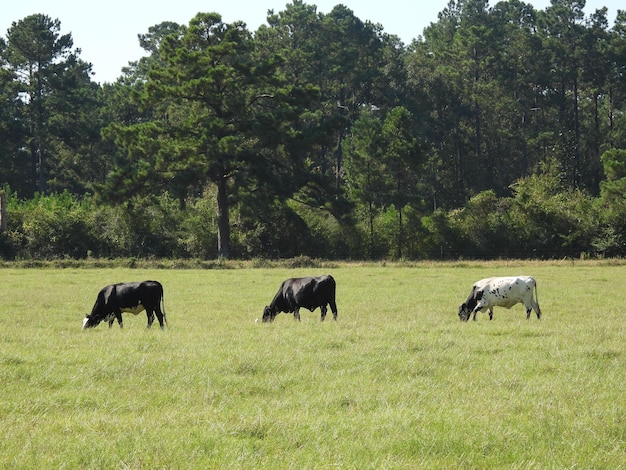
[[133, 297], [307, 292], [501, 292]]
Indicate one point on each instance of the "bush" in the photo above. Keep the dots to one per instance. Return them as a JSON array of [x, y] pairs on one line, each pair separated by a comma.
[[270, 229], [541, 220], [547, 220], [64, 226], [611, 239], [49, 227]]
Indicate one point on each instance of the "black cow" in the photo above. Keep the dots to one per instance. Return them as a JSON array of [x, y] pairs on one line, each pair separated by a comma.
[[133, 297], [307, 292]]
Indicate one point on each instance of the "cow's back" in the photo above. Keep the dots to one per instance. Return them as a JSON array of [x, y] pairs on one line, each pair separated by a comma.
[[317, 291], [505, 291], [130, 294]]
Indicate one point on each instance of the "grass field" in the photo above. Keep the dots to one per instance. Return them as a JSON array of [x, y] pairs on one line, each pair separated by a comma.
[[397, 382]]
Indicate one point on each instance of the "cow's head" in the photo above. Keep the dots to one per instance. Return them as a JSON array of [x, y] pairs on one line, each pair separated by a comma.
[[268, 314], [464, 312], [90, 322]]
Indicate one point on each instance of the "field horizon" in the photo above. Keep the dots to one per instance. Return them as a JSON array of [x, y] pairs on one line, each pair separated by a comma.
[[397, 382]]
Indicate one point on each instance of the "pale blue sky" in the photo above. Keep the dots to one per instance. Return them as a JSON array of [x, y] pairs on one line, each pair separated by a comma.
[[106, 31]]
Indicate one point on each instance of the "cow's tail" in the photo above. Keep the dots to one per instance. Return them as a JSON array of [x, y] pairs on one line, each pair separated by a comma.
[[537, 301], [163, 309]]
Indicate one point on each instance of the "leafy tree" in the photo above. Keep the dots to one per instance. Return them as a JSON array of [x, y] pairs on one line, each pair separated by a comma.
[[353, 64], [612, 204], [549, 219], [479, 229], [451, 67], [14, 168], [427, 77], [563, 32], [74, 131], [616, 82], [53, 84], [403, 159], [122, 108], [595, 84], [218, 115], [364, 167], [514, 114]]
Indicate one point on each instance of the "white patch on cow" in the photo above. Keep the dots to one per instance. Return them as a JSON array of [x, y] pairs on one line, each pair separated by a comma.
[[109, 317], [85, 320], [134, 310]]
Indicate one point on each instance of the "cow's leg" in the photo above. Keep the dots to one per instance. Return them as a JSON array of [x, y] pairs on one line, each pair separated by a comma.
[[296, 314], [323, 308], [150, 315], [111, 322], [333, 308], [528, 310], [159, 316], [475, 311], [118, 315], [537, 310], [490, 314]]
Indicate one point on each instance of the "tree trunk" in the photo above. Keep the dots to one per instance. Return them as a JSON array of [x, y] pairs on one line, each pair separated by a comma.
[[42, 171], [338, 161], [3, 218], [223, 220], [371, 223], [577, 163], [400, 232]]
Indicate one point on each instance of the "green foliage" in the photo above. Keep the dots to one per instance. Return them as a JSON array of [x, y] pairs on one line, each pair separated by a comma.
[[614, 162], [199, 228], [48, 226], [57, 122], [549, 220], [324, 235], [611, 241], [272, 230], [541, 220], [435, 149], [61, 226], [220, 113], [480, 228]]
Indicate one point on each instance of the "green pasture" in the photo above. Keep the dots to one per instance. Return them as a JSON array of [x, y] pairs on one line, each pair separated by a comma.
[[396, 382]]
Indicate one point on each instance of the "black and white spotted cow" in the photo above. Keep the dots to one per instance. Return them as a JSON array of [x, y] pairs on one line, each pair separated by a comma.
[[132, 297], [501, 292]]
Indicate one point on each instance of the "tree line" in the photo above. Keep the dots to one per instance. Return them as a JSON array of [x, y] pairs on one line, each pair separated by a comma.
[[498, 132]]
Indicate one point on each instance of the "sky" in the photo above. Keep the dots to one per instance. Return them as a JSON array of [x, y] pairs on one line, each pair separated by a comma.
[[106, 31]]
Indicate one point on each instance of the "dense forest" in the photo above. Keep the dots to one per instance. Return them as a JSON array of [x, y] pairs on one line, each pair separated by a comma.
[[498, 132]]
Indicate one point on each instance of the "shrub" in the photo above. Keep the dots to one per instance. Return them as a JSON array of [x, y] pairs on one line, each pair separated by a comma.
[[547, 220], [542, 219], [48, 227]]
